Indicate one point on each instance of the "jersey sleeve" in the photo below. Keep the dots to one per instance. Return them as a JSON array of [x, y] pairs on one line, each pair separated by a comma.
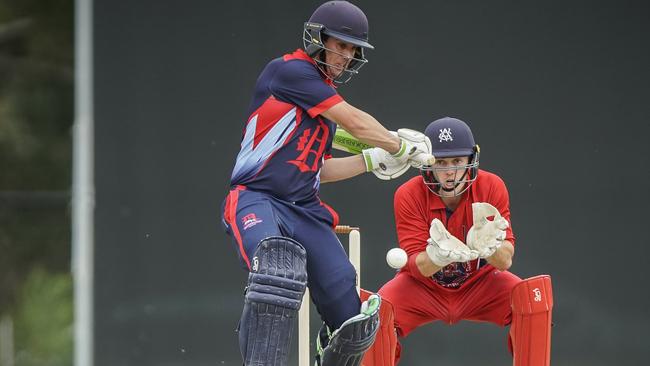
[[412, 226], [328, 150], [299, 83]]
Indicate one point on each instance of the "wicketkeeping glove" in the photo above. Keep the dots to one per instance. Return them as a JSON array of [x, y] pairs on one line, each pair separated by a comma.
[[486, 236], [445, 248]]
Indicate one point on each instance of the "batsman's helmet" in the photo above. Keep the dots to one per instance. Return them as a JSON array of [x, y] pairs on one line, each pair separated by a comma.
[[341, 20], [451, 137]]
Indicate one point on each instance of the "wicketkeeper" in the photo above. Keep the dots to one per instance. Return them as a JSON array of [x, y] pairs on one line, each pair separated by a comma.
[[282, 231], [453, 221]]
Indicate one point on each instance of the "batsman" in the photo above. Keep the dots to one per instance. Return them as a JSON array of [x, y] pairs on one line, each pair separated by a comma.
[[282, 232], [453, 221]]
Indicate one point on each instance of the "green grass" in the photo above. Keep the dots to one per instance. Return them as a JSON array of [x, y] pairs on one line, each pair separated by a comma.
[[44, 320]]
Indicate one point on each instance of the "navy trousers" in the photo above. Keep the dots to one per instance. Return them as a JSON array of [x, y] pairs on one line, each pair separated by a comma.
[[250, 216]]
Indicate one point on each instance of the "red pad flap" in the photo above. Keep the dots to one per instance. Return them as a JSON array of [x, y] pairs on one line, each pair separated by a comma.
[[382, 352], [530, 331], [533, 295]]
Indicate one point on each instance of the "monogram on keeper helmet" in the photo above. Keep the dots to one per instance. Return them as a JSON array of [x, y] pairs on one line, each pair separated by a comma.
[[345, 22], [457, 157]]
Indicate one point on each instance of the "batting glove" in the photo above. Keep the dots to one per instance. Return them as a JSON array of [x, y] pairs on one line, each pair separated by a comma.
[[382, 164], [415, 148]]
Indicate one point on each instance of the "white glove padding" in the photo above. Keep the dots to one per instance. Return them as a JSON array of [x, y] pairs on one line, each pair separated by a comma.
[[416, 148], [445, 248], [486, 236], [382, 164]]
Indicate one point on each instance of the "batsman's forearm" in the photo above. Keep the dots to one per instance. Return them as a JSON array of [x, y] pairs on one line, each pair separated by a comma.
[[363, 126], [370, 131], [336, 169]]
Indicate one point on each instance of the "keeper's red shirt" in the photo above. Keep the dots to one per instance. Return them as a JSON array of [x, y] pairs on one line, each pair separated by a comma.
[[416, 206]]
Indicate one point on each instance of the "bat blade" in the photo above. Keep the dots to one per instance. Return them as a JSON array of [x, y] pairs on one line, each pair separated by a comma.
[[344, 141]]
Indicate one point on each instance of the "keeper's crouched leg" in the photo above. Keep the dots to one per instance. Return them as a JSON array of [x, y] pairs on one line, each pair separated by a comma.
[[347, 345], [274, 293]]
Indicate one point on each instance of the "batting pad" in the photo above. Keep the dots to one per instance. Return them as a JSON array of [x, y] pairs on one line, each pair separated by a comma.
[[276, 285]]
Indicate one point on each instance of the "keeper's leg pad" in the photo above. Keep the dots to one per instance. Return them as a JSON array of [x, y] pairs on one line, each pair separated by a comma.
[[274, 293], [530, 331], [382, 352], [347, 345]]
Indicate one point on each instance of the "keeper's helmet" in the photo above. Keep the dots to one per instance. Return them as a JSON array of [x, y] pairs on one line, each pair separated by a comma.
[[451, 137], [341, 20]]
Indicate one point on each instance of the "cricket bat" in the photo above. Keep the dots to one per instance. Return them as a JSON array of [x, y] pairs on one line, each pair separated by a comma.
[[344, 141]]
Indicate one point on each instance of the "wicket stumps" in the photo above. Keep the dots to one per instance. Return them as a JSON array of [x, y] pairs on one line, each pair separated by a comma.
[[354, 252]]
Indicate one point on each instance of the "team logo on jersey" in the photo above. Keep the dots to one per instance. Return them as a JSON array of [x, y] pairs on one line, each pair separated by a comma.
[[445, 135], [250, 220], [311, 145], [453, 274]]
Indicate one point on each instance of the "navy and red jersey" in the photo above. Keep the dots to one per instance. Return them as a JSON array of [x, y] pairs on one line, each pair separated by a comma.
[[416, 207], [285, 139]]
